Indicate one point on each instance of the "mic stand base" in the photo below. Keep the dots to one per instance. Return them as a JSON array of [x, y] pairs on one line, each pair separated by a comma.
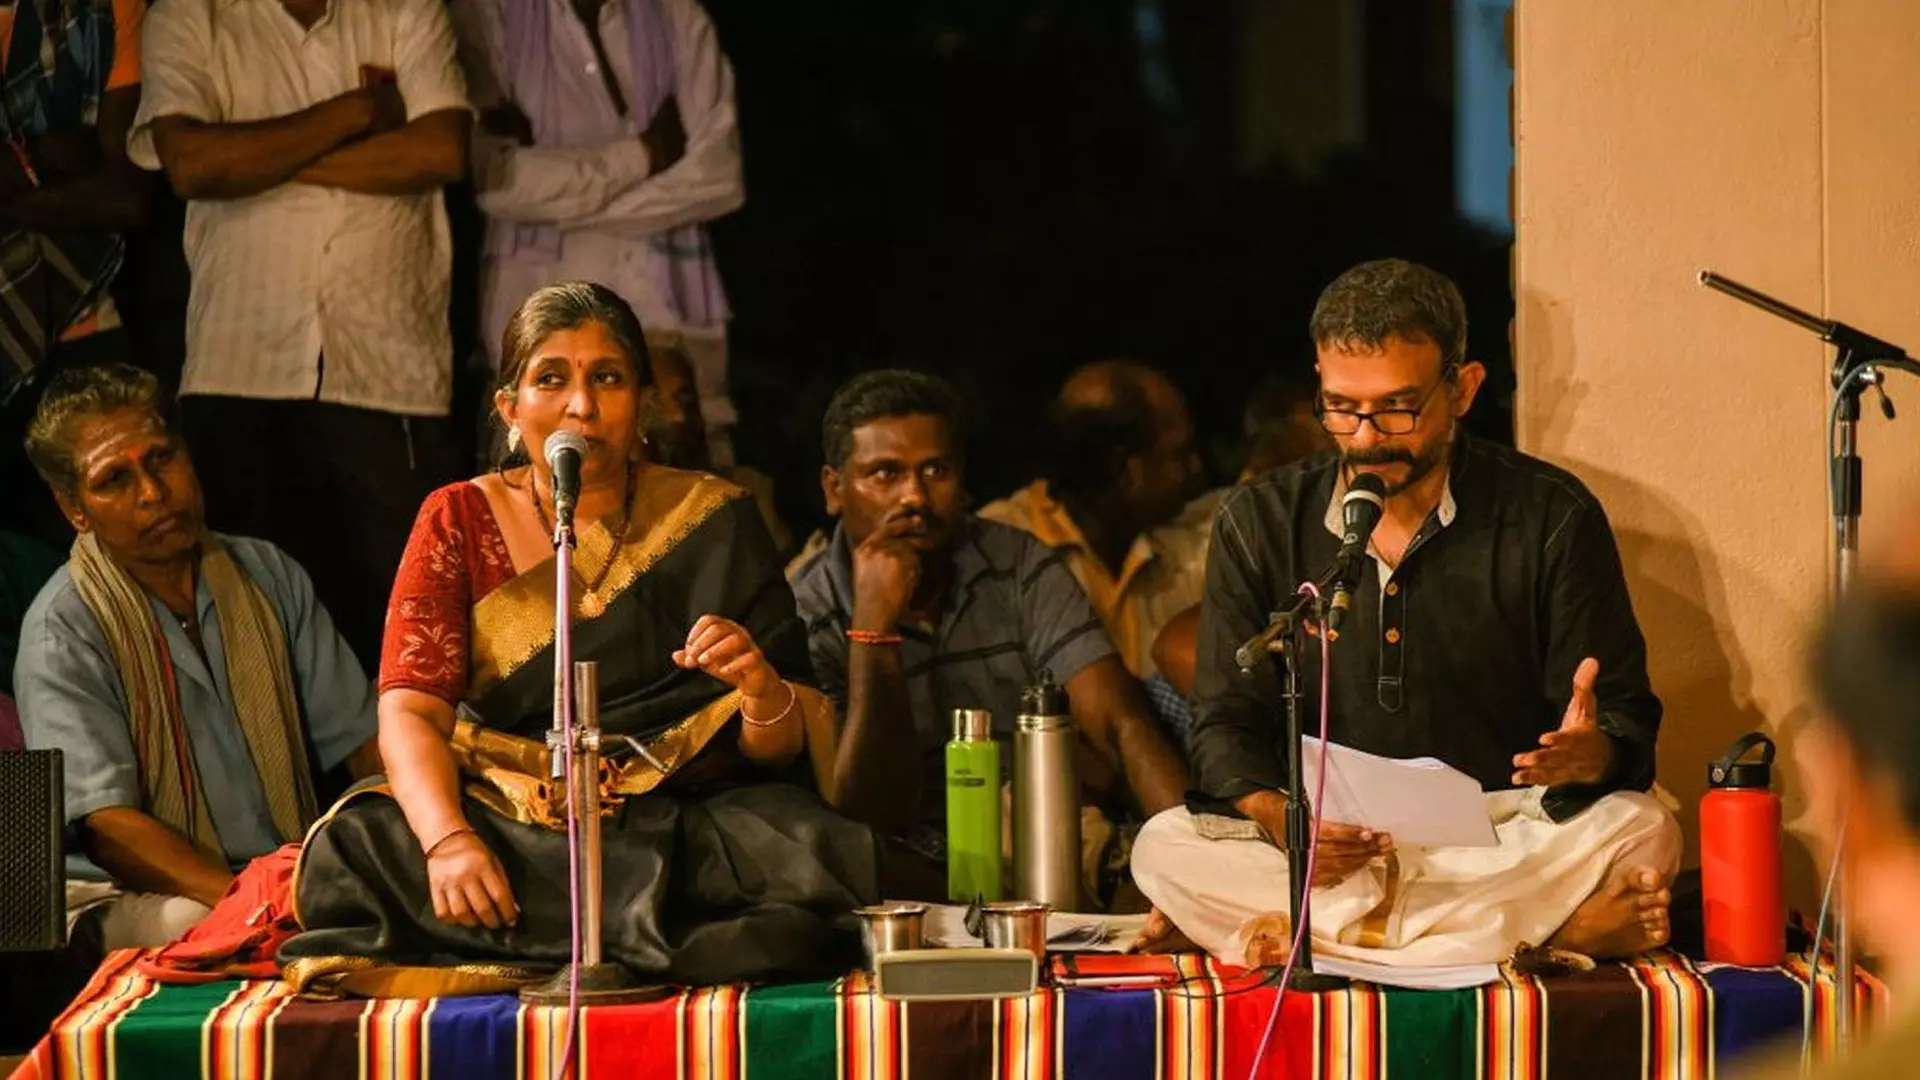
[[1313, 982], [600, 984]]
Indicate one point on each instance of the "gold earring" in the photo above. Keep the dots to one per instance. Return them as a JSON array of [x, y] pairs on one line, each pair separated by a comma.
[[513, 438]]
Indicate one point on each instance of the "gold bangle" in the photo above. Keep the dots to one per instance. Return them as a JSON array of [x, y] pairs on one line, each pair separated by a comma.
[[446, 836], [793, 698]]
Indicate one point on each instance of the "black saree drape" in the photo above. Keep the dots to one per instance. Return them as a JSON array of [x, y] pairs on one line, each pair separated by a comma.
[[716, 872]]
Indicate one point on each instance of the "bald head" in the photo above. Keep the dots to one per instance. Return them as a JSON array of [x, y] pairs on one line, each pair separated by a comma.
[[1107, 384], [1122, 435]]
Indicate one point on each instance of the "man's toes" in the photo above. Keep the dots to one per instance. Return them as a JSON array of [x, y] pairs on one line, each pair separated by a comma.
[[1645, 880]]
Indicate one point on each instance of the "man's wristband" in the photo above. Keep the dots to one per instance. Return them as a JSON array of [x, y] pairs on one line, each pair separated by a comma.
[[873, 637]]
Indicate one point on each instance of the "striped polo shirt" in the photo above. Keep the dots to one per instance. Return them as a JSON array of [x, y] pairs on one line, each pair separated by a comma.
[[1014, 611]]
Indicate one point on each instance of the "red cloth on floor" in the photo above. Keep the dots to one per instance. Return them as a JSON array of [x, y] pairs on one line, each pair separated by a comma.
[[241, 936]]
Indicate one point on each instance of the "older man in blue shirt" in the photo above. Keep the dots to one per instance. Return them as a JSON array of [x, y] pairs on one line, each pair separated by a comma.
[[191, 679]]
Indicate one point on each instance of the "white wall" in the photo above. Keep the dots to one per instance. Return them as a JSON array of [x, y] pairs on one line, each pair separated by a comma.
[[1779, 144]]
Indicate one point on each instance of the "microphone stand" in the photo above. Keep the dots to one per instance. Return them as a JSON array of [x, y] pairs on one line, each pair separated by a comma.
[[573, 744], [1857, 365], [1285, 636]]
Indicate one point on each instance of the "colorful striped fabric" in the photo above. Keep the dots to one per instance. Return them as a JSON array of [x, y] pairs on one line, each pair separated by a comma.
[[1663, 1018]]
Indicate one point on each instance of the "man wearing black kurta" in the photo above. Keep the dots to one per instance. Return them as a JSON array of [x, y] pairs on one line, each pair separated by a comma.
[[1490, 628]]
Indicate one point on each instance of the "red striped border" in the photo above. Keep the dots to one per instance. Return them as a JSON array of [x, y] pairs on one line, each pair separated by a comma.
[[394, 1039], [1027, 1043], [1351, 1033], [1676, 1008], [1513, 1016], [714, 1029], [233, 1037], [1188, 1040], [80, 1043], [872, 1032]]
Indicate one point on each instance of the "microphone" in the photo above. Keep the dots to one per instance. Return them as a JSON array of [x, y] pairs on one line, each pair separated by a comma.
[[1360, 513], [1248, 655], [564, 450]]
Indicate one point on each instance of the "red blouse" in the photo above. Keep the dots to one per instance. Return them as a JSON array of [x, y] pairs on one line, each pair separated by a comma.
[[455, 556]]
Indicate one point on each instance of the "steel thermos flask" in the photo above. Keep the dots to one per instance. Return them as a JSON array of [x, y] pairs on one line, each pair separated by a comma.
[[1046, 799], [1746, 919]]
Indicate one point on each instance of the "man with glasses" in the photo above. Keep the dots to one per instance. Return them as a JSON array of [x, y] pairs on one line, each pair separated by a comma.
[[1491, 628]]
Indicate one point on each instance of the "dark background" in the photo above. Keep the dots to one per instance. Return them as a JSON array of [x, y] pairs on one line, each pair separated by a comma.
[[999, 190]]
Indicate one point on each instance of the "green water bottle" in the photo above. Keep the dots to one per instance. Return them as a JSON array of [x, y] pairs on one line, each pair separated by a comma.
[[973, 809]]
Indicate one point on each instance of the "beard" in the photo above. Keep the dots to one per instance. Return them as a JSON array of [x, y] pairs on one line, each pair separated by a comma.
[[1419, 465]]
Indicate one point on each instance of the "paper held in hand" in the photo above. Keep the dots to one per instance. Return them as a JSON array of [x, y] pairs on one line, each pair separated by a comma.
[[1420, 802]]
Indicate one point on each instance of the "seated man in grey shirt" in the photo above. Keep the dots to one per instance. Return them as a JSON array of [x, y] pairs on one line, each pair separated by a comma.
[[915, 608], [187, 677]]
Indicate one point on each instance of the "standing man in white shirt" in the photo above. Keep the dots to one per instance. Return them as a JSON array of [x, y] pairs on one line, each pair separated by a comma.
[[607, 136], [312, 139]]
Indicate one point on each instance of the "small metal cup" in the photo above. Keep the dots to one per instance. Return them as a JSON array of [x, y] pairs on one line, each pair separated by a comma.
[[886, 928], [1016, 924]]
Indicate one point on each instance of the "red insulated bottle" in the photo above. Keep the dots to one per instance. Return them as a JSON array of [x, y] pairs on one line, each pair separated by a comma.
[[1746, 917]]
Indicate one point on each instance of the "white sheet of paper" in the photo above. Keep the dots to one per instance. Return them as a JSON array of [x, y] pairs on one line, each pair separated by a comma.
[[1420, 802], [946, 928], [1452, 977]]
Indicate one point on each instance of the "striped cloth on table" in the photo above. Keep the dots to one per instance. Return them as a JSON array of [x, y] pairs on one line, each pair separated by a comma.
[[1663, 1018]]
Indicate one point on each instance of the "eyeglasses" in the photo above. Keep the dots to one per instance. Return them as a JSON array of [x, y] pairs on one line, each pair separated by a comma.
[[1384, 421]]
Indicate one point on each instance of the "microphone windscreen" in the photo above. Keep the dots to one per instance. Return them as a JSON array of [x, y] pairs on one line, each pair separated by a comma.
[[561, 441]]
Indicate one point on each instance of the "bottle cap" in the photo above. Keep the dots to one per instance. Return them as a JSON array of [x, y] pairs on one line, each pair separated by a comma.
[[1730, 772], [1044, 697], [972, 725]]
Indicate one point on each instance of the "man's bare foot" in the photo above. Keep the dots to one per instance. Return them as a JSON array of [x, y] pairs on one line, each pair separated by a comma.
[[1269, 939], [1159, 935], [1627, 917]]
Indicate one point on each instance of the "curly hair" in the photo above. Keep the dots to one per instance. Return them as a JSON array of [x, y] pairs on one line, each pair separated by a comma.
[[1392, 298], [879, 395]]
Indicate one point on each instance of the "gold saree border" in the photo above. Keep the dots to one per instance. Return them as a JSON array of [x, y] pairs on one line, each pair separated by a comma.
[[332, 978], [512, 776], [514, 622], [1375, 923], [365, 787]]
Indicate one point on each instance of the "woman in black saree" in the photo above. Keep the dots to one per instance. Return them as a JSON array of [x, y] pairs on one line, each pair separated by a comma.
[[727, 866]]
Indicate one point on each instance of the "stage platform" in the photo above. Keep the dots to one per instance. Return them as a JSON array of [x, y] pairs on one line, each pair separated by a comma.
[[1663, 1018]]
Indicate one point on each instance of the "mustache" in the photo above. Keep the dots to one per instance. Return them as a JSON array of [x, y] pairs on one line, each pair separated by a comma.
[[911, 518], [1385, 455]]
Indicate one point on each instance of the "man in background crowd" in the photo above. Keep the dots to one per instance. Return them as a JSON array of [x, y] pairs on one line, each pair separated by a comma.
[[916, 608], [312, 139], [607, 136], [1113, 501], [186, 677], [67, 195], [679, 435]]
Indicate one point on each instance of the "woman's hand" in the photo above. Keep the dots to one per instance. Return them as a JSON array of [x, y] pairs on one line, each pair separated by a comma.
[[723, 649], [468, 884]]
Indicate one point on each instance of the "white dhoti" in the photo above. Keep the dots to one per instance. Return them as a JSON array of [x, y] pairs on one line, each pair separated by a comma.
[[133, 920], [1417, 907]]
